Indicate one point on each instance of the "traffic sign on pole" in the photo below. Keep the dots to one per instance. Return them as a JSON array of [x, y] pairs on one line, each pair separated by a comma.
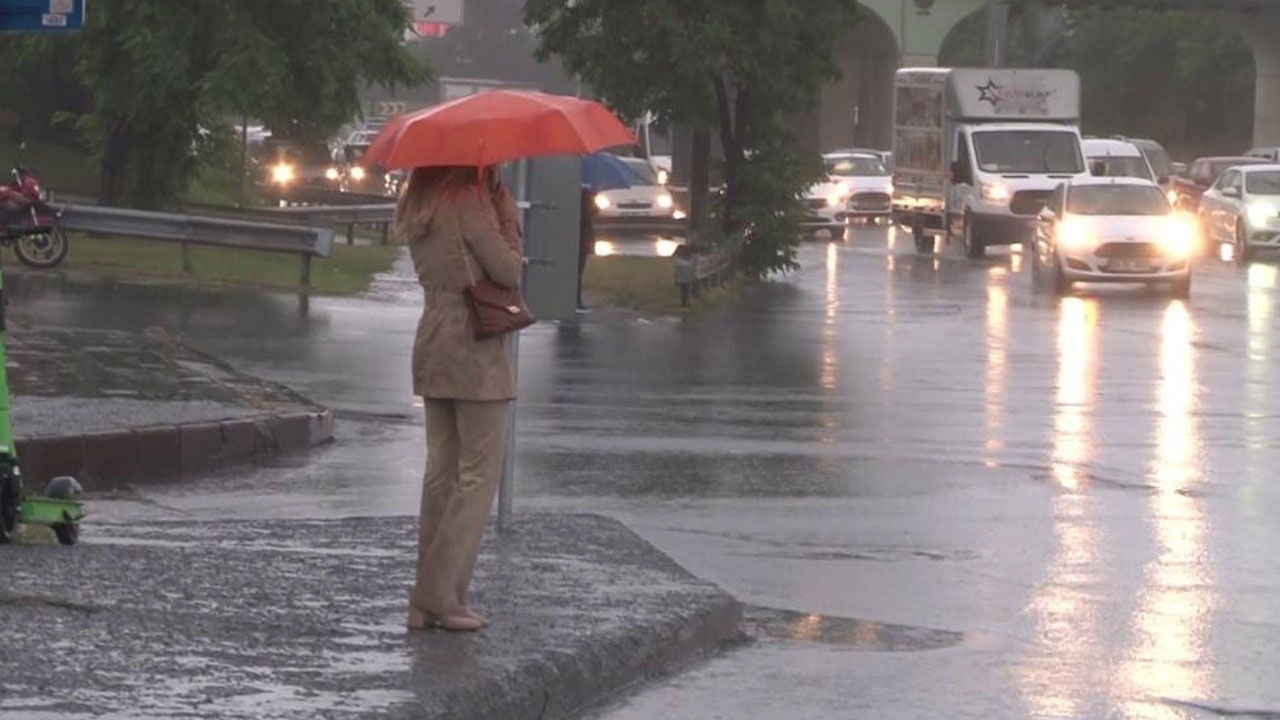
[[41, 16]]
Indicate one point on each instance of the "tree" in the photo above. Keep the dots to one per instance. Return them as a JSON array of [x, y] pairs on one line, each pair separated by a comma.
[[739, 67], [1179, 77], [164, 76]]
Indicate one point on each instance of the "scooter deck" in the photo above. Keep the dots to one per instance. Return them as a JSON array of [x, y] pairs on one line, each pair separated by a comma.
[[47, 511]]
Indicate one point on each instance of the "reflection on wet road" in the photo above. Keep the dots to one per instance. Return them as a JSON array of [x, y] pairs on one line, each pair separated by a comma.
[[1077, 494]]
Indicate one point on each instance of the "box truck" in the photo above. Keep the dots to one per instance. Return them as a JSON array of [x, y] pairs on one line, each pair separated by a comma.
[[977, 151]]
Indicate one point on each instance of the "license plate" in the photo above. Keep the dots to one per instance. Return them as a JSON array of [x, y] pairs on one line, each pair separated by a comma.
[[1129, 265], [634, 213]]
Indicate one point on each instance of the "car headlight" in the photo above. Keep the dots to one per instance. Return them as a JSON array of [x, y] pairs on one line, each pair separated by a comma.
[[663, 176], [1075, 235], [665, 202], [1260, 213], [282, 174], [331, 174], [995, 192], [602, 202], [357, 173], [1180, 237]]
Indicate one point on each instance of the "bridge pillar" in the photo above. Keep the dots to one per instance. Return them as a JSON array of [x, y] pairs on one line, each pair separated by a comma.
[[1261, 29]]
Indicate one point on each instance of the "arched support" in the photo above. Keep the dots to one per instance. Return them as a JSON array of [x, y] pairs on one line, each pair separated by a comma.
[[919, 33], [1261, 29]]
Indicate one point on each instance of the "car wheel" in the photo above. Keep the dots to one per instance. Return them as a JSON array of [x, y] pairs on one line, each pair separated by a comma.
[[1243, 255], [1181, 288], [1061, 284], [973, 246], [924, 242]]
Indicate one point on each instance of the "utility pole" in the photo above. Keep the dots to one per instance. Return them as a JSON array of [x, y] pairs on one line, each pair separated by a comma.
[[997, 32]]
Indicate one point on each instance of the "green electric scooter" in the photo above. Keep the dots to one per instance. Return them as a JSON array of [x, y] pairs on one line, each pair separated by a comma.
[[60, 508]]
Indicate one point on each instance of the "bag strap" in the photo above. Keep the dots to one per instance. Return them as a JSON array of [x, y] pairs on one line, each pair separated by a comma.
[[466, 253]]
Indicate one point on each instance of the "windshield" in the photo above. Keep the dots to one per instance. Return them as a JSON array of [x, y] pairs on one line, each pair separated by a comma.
[[1159, 159], [643, 171], [1134, 167], [1263, 183], [1028, 151], [856, 166], [1117, 200]]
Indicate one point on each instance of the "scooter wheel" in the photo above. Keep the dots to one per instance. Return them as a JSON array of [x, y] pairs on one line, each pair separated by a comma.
[[68, 533], [9, 497]]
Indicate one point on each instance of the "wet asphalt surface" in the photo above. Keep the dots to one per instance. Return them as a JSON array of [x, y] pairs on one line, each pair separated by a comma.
[[977, 501]]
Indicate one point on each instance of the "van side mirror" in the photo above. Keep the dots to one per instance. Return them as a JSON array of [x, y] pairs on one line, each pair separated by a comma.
[[958, 172]]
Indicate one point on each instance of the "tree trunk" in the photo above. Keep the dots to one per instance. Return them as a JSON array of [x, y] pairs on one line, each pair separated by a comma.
[[700, 180], [734, 156], [116, 147]]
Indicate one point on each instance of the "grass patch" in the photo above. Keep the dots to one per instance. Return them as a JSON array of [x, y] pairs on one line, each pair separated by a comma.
[[62, 168], [645, 285], [348, 271]]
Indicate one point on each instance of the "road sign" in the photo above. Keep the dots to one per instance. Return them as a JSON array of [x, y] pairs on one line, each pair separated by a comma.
[[41, 16]]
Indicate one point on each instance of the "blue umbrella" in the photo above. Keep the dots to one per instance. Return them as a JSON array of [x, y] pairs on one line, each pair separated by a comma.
[[604, 171]]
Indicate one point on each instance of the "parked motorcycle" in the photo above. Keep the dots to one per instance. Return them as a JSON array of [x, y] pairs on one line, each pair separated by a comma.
[[29, 224]]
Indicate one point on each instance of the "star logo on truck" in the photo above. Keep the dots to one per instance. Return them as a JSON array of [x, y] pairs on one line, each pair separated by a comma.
[[990, 93]]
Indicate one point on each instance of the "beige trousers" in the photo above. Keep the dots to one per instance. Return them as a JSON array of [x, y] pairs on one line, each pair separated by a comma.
[[466, 442]]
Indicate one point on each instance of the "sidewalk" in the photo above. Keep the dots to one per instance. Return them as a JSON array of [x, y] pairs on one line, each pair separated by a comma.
[[305, 620], [113, 408]]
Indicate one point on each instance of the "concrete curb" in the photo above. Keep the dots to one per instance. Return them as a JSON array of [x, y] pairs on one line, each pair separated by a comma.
[[109, 460], [572, 680]]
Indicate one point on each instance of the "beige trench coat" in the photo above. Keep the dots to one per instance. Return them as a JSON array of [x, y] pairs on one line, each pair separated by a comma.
[[448, 362]]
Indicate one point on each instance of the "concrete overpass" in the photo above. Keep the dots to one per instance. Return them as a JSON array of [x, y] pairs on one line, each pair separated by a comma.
[[894, 33]]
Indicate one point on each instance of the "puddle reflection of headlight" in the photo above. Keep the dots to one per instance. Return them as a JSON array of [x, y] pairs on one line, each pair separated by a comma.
[[665, 248], [604, 248]]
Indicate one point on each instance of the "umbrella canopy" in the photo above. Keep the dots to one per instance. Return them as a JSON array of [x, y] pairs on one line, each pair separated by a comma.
[[606, 171], [494, 127]]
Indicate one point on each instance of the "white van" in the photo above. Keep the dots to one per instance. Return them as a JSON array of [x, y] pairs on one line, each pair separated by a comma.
[[1116, 158]]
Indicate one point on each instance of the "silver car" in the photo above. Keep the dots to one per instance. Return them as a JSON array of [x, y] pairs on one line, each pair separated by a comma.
[[1111, 230], [1242, 209]]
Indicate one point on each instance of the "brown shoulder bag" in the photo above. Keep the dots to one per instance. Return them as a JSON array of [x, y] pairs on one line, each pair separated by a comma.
[[495, 310]]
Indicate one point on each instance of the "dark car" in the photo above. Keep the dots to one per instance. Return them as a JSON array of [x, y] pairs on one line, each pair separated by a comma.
[[288, 164], [1202, 173]]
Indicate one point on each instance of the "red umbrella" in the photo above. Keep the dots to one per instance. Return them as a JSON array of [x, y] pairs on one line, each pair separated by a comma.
[[494, 127]]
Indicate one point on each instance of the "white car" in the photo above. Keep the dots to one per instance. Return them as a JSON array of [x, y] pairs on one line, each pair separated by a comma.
[[1116, 158], [825, 206], [1242, 209], [1111, 230], [868, 181], [645, 201]]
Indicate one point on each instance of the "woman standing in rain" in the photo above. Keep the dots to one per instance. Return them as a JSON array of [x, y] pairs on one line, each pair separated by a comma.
[[459, 230]]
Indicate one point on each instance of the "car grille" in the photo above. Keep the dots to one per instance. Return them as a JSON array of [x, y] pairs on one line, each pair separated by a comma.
[[1028, 202], [1129, 250], [871, 200], [815, 203], [634, 205]]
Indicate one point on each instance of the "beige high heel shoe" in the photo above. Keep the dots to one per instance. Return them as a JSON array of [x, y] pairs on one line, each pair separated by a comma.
[[423, 620], [476, 616]]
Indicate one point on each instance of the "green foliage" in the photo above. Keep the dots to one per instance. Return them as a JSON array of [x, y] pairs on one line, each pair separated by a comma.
[[162, 78], [774, 181], [1182, 78], [740, 67]]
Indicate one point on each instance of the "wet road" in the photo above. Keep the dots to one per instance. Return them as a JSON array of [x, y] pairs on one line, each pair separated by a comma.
[[982, 502]]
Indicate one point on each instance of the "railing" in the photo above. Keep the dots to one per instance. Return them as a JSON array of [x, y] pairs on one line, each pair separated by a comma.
[[239, 233], [379, 215], [699, 268]]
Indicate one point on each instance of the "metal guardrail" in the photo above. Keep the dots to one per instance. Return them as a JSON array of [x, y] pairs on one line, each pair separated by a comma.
[[698, 268], [380, 215], [306, 242]]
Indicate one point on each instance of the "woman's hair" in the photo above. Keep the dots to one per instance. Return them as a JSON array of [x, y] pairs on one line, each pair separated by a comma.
[[425, 188]]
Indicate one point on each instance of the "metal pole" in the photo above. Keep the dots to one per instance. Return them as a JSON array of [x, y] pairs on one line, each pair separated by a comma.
[[506, 486]]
